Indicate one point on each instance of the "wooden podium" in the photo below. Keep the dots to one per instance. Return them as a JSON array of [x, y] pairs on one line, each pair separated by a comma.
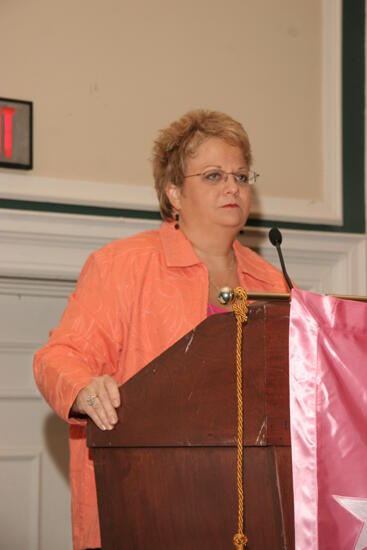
[[166, 475]]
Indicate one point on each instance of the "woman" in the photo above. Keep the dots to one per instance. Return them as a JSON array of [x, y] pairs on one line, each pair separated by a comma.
[[137, 296]]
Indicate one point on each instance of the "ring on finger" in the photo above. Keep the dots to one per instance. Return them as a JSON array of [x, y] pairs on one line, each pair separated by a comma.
[[91, 399]]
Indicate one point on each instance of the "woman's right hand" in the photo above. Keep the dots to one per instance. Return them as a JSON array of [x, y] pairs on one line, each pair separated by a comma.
[[99, 400]]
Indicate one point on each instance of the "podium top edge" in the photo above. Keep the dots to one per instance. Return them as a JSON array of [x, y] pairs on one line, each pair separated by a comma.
[[268, 296], [258, 296], [349, 297]]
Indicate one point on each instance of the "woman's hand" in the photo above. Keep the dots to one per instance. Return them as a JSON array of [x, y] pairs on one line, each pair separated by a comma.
[[99, 400]]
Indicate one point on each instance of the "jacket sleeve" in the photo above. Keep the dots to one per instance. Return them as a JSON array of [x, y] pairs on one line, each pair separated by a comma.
[[85, 344]]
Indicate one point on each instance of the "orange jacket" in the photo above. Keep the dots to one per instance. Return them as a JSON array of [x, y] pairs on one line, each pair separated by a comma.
[[134, 298]]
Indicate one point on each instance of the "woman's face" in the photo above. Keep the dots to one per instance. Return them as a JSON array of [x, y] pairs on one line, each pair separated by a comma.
[[207, 202]]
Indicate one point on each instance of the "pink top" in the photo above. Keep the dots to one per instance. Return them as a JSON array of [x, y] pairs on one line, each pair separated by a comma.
[[213, 309], [134, 298]]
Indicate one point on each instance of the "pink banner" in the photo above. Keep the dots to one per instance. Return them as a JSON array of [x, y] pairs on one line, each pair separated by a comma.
[[328, 400]]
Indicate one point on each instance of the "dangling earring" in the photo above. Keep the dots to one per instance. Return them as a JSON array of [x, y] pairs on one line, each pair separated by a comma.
[[177, 218]]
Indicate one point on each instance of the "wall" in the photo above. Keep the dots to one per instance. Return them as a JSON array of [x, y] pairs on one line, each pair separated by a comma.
[[103, 82], [105, 78]]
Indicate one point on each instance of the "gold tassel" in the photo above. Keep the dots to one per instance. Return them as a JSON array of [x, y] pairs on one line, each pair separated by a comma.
[[240, 309], [240, 541]]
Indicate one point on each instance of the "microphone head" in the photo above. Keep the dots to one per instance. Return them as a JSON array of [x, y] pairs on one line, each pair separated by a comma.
[[275, 236]]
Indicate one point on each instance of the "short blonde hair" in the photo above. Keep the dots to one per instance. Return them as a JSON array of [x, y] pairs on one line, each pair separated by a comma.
[[181, 139]]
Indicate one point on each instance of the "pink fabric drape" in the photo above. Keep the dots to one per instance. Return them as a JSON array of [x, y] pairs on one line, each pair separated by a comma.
[[328, 401]]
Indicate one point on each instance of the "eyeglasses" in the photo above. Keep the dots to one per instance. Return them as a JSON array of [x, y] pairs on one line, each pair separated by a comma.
[[219, 176]]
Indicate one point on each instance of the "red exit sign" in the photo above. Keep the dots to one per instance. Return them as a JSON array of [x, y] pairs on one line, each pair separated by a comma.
[[16, 134]]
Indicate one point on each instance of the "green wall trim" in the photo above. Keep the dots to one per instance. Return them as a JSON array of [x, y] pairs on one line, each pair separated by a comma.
[[84, 210], [11, 204], [353, 118], [353, 106]]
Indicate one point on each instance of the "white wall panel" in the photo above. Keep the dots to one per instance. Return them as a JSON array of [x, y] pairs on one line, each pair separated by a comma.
[[17, 380], [35, 503], [20, 495]]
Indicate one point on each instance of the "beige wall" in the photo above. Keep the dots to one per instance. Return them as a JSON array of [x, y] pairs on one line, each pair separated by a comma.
[[105, 76]]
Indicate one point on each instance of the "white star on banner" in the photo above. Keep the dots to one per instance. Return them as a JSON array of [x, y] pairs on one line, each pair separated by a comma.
[[358, 508]]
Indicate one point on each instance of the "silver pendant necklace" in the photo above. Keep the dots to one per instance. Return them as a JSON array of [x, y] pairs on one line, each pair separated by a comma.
[[225, 293]]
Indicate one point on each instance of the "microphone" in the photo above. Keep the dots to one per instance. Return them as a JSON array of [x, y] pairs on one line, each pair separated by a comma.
[[275, 237]]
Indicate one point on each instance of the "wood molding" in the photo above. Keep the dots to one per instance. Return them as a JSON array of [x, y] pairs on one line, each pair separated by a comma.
[[318, 261], [43, 246]]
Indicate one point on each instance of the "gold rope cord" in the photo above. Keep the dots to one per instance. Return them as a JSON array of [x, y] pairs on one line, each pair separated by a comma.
[[240, 309]]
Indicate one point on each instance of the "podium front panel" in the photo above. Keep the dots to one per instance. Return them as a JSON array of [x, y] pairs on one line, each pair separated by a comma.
[[166, 475]]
